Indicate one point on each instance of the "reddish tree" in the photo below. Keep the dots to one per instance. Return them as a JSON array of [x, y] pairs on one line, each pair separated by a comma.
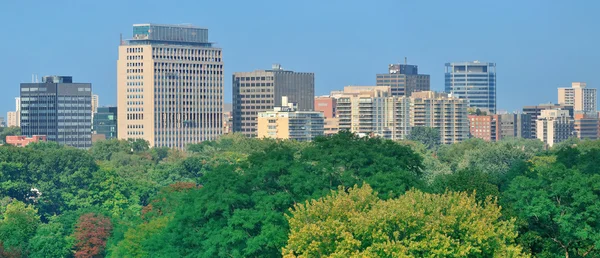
[[14, 253], [91, 232]]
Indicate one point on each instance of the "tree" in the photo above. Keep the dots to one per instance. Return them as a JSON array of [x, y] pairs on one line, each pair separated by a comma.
[[359, 224], [8, 131], [91, 233], [556, 199], [18, 226], [426, 135], [50, 241]]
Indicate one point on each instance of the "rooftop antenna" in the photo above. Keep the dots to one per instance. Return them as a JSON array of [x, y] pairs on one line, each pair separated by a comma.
[[405, 61]]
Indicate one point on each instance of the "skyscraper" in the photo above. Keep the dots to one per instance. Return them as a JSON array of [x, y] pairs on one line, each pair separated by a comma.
[[262, 90], [474, 82], [169, 86], [59, 109], [404, 79], [579, 96]]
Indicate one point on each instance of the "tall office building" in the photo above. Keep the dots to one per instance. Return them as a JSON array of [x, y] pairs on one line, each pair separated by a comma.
[[59, 109], [404, 79], [441, 111], [169, 86], [286, 122], [579, 96], [554, 126], [515, 126], [535, 111], [262, 90], [473, 81], [105, 122]]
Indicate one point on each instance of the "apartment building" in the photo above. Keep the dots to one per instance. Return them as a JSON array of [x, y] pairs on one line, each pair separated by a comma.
[[579, 97], [286, 122], [535, 111], [441, 111], [486, 127], [554, 126]]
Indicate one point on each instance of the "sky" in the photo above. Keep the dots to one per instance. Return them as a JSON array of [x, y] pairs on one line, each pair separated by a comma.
[[537, 45]]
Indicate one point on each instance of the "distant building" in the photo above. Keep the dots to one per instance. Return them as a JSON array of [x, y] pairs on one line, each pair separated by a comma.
[[22, 141], [286, 122], [441, 111], [227, 118], [579, 97], [327, 105], [486, 127], [554, 126], [169, 86], [586, 125], [58, 109], [105, 122], [2, 122], [515, 126], [262, 90], [14, 117], [535, 111], [473, 81], [404, 79], [372, 110], [95, 103]]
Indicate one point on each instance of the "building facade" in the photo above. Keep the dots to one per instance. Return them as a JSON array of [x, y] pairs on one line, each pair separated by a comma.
[[372, 110], [286, 122], [554, 126], [327, 105], [579, 96], [262, 90], [441, 111], [515, 126], [11, 119], [486, 127], [169, 86], [586, 125], [58, 109], [404, 79], [473, 81], [105, 122], [22, 141], [95, 103], [535, 111]]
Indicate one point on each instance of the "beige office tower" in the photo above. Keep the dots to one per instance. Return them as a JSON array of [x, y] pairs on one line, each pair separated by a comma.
[[169, 86], [554, 126], [581, 98], [373, 111], [443, 112], [262, 90]]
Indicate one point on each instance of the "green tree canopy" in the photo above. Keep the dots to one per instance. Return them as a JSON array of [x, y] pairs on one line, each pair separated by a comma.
[[430, 137]]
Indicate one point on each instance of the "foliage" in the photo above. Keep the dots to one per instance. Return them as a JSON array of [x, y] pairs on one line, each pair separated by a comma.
[[8, 131], [429, 136], [91, 233], [50, 241], [18, 225], [359, 224]]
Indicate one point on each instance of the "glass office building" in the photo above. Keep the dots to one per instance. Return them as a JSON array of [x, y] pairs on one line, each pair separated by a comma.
[[473, 81], [105, 122], [59, 109]]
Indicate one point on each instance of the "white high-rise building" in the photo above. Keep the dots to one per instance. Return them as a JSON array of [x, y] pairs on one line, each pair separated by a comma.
[[579, 96], [554, 126], [169, 86]]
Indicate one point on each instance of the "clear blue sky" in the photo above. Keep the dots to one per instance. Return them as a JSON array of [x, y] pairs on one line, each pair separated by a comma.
[[537, 45]]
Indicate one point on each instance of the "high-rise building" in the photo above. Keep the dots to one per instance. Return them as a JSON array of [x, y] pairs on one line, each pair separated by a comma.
[[327, 105], [286, 122], [515, 126], [58, 109], [554, 126], [262, 90], [105, 122], [169, 86], [11, 119], [535, 111], [404, 79], [372, 110], [486, 127], [581, 98], [474, 82], [95, 103], [586, 125], [441, 111]]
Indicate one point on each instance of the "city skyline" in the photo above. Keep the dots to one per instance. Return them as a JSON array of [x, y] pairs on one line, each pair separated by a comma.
[[521, 45]]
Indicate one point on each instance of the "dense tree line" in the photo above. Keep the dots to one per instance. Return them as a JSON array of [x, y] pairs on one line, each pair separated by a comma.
[[338, 196]]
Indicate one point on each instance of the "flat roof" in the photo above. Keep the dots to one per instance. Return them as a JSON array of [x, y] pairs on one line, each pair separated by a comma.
[[184, 25]]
